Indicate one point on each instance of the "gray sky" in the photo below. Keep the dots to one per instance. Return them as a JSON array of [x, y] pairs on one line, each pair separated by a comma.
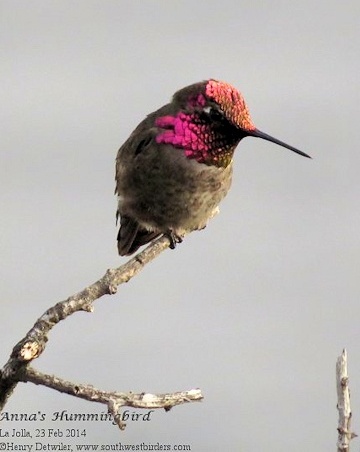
[[255, 309]]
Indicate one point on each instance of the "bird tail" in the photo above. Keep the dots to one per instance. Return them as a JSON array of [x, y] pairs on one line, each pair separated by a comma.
[[132, 236]]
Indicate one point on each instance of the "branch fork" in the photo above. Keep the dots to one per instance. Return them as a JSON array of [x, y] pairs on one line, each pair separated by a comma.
[[33, 345]]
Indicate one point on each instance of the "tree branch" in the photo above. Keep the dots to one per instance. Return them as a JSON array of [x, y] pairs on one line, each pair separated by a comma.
[[113, 400], [343, 405], [34, 342]]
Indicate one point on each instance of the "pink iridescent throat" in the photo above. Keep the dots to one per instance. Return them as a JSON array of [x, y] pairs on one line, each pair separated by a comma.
[[197, 139], [182, 132], [185, 131]]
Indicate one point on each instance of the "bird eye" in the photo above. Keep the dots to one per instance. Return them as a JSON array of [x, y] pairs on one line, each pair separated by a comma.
[[213, 113]]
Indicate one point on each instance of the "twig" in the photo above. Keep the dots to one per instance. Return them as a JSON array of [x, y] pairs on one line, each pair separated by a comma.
[[34, 342], [345, 435], [113, 400]]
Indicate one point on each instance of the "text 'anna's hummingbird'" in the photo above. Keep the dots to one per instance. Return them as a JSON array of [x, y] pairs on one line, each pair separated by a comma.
[[176, 167]]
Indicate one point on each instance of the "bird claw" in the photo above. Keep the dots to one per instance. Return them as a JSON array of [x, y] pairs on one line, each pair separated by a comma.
[[174, 239]]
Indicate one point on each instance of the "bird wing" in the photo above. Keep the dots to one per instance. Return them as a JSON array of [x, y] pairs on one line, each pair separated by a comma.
[[131, 235]]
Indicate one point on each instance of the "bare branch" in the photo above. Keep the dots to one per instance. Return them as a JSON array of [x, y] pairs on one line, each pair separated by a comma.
[[343, 405], [113, 400], [34, 342]]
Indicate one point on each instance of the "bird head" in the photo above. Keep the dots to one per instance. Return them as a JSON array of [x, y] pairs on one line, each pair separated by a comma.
[[211, 118], [230, 102]]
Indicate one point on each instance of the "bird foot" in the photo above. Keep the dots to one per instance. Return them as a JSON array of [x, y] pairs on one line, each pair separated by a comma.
[[174, 239]]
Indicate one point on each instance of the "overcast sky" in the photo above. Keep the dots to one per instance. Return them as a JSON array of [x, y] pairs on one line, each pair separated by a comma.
[[255, 309]]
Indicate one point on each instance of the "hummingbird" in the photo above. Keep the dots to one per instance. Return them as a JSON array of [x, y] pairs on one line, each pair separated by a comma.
[[176, 166]]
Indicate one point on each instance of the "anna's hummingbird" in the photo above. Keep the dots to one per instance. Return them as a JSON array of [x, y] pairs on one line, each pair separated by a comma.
[[176, 166]]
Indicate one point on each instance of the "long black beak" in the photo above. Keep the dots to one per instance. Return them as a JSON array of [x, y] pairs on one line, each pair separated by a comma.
[[265, 136]]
